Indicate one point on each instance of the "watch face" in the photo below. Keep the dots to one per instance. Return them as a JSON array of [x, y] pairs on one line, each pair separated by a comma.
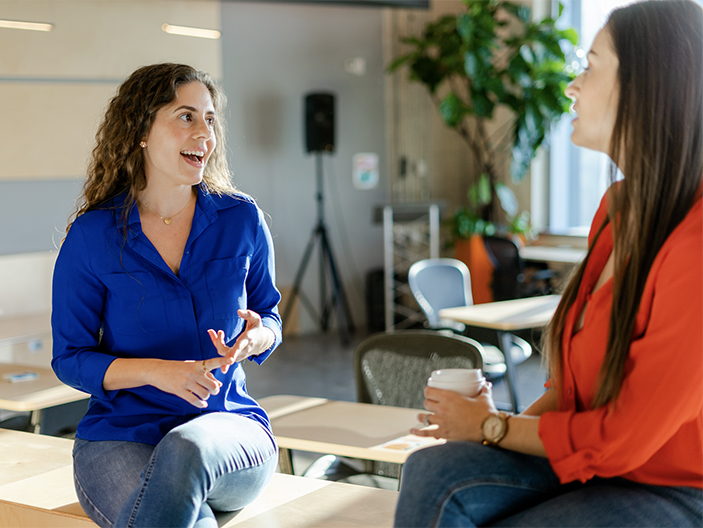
[[493, 428]]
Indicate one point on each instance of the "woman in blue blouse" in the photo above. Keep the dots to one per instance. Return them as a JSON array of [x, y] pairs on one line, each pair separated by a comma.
[[164, 283]]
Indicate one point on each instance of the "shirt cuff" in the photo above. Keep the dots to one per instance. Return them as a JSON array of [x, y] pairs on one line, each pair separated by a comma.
[[275, 327], [92, 373], [569, 465]]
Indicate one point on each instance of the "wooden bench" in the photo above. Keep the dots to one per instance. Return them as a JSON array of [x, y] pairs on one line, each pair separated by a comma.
[[36, 490]]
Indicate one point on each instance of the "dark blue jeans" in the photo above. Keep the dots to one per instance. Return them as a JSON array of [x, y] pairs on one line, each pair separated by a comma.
[[218, 461], [463, 484]]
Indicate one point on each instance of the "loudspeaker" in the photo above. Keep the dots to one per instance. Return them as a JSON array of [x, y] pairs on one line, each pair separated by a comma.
[[319, 122]]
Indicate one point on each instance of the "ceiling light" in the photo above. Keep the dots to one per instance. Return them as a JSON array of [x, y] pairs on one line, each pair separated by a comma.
[[32, 26], [191, 31]]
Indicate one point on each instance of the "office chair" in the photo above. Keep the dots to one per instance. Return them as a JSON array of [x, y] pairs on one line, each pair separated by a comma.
[[392, 369], [446, 283], [509, 278]]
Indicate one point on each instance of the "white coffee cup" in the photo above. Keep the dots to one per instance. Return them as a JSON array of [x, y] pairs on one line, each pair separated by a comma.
[[467, 382]]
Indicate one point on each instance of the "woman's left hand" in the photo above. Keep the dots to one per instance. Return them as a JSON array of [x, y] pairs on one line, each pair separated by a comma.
[[255, 339], [457, 417]]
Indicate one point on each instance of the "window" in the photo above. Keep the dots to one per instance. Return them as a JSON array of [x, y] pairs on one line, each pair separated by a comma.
[[578, 177]]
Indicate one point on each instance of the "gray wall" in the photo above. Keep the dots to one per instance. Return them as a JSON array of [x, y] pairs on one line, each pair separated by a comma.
[[33, 214], [273, 55]]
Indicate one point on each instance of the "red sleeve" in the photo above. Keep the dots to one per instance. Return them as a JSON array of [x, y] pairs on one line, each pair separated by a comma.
[[662, 388]]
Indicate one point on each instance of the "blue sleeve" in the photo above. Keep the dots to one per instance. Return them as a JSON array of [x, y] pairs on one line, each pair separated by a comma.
[[77, 301], [262, 295]]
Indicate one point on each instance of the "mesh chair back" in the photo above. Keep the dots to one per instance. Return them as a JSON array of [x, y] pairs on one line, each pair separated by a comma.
[[439, 283], [392, 369], [507, 274]]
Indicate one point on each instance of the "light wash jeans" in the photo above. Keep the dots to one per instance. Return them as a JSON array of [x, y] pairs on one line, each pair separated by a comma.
[[217, 461], [463, 484]]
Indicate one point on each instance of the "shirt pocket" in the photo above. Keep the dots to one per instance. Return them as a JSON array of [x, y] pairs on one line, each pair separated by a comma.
[[226, 284], [134, 303]]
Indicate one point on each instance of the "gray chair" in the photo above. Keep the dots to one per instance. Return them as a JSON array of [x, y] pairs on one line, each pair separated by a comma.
[[392, 369], [446, 283]]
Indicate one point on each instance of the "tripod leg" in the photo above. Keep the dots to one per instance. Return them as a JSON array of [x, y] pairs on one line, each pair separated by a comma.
[[346, 324], [299, 275]]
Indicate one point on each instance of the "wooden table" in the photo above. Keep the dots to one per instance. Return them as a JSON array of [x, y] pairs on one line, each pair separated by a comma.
[[350, 429], [23, 328], [565, 255], [36, 490], [507, 316], [35, 395]]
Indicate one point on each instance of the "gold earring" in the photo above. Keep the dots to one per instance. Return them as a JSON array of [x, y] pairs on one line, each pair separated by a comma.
[[142, 144]]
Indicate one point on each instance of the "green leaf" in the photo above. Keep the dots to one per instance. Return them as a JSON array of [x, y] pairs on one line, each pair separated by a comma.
[[483, 106], [480, 193], [570, 35], [398, 62], [452, 110], [507, 199], [465, 27], [426, 70], [471, 65]]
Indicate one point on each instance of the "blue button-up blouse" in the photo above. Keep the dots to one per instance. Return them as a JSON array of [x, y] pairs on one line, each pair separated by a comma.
[[115, 297]]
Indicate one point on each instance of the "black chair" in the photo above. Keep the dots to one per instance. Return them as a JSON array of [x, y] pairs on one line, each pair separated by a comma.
[[509, 273]]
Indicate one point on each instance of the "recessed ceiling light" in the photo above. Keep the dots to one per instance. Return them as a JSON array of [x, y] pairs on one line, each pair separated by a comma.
[[191, 31], [32, 26]]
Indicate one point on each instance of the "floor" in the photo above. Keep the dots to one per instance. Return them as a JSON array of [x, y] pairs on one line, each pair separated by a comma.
[[320, 365]]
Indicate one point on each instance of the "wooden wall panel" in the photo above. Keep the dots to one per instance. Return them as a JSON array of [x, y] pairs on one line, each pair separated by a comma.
[[55, 85]]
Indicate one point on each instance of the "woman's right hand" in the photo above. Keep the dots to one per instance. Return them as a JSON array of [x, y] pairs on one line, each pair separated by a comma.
[[191, 381]]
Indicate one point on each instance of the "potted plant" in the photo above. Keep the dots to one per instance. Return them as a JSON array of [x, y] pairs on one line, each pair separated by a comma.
[[492, 54]]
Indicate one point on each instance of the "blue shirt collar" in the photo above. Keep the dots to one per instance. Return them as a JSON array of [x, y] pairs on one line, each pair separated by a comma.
[[206, 205]]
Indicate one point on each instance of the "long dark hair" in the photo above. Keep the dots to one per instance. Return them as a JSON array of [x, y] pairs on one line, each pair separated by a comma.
[[117, 161], [658, 142]]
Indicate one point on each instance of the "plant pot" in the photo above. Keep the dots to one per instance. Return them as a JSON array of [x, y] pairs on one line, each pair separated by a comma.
[[472, 252]]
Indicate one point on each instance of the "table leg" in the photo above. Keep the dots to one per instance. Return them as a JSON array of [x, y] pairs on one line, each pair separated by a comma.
[[285, 461], [506, 344], [35, 421]]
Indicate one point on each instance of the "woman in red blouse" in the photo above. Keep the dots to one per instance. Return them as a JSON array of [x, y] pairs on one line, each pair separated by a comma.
[[617, 438]]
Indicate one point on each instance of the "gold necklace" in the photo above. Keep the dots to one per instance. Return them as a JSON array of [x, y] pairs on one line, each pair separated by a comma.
[[166, 219]]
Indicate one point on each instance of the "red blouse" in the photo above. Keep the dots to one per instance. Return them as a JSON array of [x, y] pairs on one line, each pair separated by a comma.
[[654, 434]]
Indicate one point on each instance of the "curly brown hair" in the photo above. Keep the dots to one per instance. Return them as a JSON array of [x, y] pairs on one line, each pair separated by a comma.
[[117, 161]]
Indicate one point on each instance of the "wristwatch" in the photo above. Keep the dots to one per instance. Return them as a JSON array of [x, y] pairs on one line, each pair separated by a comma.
[[494, 427]]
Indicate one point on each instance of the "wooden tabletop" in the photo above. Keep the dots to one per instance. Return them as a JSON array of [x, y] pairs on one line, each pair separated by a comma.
[[568, 255], [36, 489], [23, 328], [40, 393], [517, 314], [357, 430]]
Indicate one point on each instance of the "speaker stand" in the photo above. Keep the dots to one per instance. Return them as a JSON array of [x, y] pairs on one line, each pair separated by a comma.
[[337, 298]]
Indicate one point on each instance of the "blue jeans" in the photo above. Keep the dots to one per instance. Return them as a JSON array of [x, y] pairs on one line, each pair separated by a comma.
[[462, 484], [216, 462]]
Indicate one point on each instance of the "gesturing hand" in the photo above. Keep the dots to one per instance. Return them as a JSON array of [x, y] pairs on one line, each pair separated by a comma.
[[253, 341], [190, 380]]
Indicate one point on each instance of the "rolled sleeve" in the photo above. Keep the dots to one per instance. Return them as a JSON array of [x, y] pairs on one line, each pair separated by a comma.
[[77, 300], [661, 391], [263, 297]]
